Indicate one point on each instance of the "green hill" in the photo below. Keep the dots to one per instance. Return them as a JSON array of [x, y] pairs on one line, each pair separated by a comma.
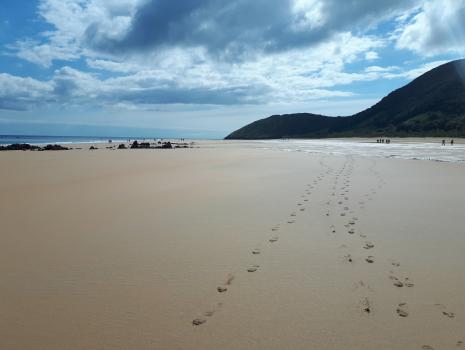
[[431, 105]]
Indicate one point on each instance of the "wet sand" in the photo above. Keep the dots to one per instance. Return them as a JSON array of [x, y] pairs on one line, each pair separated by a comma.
[[229, 246]]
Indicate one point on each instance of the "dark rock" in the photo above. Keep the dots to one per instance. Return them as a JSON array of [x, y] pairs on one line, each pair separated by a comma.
[[28, 147], [122, 146], [19, 147], [55, 148]]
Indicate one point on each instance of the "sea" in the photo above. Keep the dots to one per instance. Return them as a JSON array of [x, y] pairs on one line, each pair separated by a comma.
[[44, 140]]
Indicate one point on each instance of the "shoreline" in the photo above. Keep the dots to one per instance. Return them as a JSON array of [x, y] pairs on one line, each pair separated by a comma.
[[413, 149]]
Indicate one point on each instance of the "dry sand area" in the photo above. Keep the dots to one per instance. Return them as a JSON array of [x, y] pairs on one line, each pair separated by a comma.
[[228, 246]]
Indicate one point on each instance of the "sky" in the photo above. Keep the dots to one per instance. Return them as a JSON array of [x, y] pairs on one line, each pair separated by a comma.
[[203, 68]]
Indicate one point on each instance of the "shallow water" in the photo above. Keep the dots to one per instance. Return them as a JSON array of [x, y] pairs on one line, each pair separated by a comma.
[[403, 150]]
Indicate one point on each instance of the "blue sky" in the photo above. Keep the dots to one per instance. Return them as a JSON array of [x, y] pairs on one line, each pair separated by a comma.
[[203, 68]]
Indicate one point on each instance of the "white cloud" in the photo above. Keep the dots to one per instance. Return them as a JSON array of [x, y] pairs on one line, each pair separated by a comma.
[[371, 55], [437, 28], [18, 93], [395, 72], [378, 69], [190, 74], [416, 72], [44, 54]]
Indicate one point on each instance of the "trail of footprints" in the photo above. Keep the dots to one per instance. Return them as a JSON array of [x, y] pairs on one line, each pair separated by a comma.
[[275, 236], [342, 184], [341, 190], [339, 203]]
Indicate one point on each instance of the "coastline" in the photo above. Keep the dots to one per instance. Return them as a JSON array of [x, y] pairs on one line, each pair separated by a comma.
[[125, 249]]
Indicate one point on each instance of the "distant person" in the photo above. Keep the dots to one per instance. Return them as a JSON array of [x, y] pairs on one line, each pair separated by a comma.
[[443, 142], [452, 142]]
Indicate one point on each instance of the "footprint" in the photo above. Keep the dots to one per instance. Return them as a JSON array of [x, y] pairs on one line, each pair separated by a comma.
[[349, 258], [256, 251], [291, 221], [368, 245], [273, 239], [365, 305], [398, 283], [370, 259], [343, 214], [221, 289], [444, 311], [402, 310], [427, 347], [351, 231], [408, 282], [253, 268], [229, 280], [198, 321]]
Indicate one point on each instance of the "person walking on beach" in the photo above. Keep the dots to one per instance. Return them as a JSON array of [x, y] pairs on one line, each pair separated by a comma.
[[443, 142], [452, 142]]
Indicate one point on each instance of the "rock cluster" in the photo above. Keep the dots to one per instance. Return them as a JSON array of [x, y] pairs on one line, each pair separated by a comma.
[[146, 145], [28, 147]]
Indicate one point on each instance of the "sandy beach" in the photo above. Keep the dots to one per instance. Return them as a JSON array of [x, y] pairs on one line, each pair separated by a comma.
[[230, 246]]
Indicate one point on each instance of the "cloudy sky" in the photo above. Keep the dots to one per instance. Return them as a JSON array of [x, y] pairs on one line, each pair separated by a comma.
[[202, 68]]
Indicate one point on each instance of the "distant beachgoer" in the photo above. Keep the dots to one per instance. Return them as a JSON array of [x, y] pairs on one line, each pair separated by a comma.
[[443, 142], [451, 142]]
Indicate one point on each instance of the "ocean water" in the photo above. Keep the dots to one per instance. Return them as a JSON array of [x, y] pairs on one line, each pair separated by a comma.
[[396, 149], [40, 140]]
